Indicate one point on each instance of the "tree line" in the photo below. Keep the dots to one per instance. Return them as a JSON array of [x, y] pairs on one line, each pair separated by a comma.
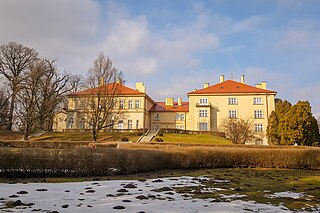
[[33, 90]]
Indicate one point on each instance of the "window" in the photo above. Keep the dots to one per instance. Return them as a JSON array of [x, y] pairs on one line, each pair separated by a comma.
[[121, 105], [70, 123], [258, 127], [179, 127], [203, 101], [232, 101], [180, 117], [203, 126], [130, 104], [137, 124], [232, 113], [258, 114], [203, 113], [120, 125], [156, 117], [82, 123], [259, 142], [257, 101], [129, 124], [137, 104]]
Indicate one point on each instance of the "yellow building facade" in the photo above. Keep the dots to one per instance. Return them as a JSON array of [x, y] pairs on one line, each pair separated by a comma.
[[206, 109]]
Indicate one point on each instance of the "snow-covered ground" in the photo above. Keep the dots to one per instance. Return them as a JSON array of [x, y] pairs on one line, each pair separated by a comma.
[[153, 195]]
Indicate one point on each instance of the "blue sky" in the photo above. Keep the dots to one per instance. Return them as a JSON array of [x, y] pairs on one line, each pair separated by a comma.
[[176, 46]]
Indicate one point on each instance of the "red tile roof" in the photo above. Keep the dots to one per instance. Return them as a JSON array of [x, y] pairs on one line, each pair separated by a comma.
[[230, 86], [116, 88], [161, 107]]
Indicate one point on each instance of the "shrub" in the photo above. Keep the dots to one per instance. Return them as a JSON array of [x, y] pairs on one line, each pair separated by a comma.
[[139, 133], [124, 139], [159, 139], [160, 134]]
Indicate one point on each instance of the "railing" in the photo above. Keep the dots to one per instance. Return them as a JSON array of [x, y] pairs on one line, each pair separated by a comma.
[[203, 105]]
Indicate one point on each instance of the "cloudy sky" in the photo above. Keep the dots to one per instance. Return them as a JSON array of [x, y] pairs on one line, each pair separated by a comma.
[[175, 46]]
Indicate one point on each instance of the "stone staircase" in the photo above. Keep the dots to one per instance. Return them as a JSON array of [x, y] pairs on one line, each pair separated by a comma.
[[148, 136]]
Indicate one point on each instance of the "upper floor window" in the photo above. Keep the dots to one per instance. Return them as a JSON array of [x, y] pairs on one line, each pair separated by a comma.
[[121, 105], [180, 117], [203, 113], [156, 117], [258, 114], [232, 101], [258, 127], [137, 104], [203, 101], [233, 114], [130, 104], [257, 101]]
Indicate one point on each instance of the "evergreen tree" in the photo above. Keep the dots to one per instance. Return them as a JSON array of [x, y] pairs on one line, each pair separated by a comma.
[[273, 129], [297, 125]]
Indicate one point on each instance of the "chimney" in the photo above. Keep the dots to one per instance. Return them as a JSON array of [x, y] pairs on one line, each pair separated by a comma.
[[141, 87], [101, 81], [263, 85], [221, 79], [169, 101], [179, 101], [258, 86], [206, 85], [242, 79]]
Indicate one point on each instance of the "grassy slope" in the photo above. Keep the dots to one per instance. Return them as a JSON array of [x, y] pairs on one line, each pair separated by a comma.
[[85, 136], [9, 135], [193, 138]]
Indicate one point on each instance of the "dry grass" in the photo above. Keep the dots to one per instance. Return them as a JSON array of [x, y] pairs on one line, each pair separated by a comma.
[[193, 138], [10, 135], [97, 162]]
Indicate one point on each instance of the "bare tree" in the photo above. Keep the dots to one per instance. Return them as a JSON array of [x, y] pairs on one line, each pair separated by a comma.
[[14, 60], [105, 82], [238, 130], [29, 94], [4, 108]]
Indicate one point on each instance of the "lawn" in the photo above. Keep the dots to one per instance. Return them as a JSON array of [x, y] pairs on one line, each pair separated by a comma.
[[9, 135], [86, 136], [193, 138]]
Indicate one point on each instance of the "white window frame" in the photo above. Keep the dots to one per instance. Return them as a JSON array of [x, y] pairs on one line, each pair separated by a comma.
[[258, 127], [203, 101], [232, 101], [129, 124], [258, 114], [233, 114], [70, 123], [157, 117], [82, 123], [259, 142], [130, 104], [203, 113], [137, 104], [257, 101], [121, 104], [203, 126]]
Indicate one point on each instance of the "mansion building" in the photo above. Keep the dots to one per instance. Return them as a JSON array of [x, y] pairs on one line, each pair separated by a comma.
[[206, 109]]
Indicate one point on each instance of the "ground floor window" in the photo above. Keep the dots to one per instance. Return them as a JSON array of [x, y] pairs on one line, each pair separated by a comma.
[[259, 142], [129, 124], [203, 126], [70, 123], [137, 124], [179, 127], [82, 124], [156, 127], [120, 125]]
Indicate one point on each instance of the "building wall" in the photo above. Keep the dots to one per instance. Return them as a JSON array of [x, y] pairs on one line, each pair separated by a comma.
[[218, 109], [168, 120]]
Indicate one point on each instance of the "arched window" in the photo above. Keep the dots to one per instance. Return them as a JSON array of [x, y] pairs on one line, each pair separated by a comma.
[[70, 123], [82, 124]]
